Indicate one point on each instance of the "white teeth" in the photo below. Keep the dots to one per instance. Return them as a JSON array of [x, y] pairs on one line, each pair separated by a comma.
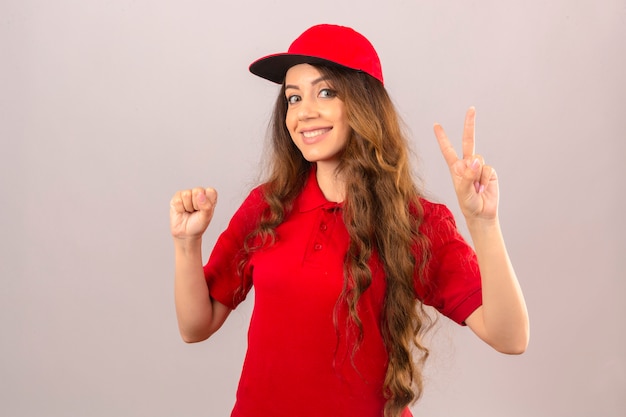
[[313, 133]]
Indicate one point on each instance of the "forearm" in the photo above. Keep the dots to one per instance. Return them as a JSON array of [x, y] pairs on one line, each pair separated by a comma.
[[504, 313], [193, 303]]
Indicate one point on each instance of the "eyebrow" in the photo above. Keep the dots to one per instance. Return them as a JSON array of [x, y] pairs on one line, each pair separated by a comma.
[[315, 81]]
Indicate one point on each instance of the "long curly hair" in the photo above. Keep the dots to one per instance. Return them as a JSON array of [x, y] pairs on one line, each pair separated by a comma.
[[382, 213]]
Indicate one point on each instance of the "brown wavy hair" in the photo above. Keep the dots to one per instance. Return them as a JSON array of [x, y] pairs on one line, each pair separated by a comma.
[[382, 213]]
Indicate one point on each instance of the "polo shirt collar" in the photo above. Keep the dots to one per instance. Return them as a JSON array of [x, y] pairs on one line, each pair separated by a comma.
[[312, 196]]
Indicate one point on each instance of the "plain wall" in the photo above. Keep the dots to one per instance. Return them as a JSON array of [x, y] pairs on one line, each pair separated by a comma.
[[108, 107]]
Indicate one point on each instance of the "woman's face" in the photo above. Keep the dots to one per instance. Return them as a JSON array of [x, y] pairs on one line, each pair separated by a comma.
[[316, 117]]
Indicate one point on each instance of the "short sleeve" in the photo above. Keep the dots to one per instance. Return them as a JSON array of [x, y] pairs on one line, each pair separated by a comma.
[[225, 283], [451, 282]]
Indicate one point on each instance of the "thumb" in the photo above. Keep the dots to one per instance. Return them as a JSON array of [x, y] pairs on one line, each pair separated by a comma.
[[211, 195], [206, 199], [470, 177]]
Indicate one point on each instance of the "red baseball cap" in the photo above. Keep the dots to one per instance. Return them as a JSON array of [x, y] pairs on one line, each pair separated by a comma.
[[322, 44]]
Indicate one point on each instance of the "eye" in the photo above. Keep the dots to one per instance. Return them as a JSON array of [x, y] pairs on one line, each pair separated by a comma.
[[327, 93], [293, 99]]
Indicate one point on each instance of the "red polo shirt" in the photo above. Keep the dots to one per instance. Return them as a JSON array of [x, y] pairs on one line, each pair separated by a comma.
[[298, 363]]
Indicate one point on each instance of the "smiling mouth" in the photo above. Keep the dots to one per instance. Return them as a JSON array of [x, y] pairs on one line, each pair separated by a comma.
[[315, 133]]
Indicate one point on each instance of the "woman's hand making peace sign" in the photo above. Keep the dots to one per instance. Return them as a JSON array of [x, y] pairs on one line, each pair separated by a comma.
[[475, 183], [502, 320]]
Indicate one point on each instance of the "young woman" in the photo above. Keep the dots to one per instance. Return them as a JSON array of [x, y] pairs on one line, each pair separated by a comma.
[[342, 249]]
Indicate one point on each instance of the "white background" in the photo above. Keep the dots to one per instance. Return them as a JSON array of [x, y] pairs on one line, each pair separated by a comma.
[[108, 107]]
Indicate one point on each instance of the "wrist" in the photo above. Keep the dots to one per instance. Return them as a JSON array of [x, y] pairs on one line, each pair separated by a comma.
[[482, 225], [188, 245]]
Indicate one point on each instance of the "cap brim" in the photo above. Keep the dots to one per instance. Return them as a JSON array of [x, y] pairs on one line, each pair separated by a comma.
[[275, 67]]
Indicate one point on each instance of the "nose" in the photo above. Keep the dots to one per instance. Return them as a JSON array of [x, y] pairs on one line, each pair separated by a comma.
[[307, 109]]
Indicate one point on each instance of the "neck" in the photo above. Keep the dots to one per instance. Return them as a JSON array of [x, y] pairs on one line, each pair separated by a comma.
[[331, 184]]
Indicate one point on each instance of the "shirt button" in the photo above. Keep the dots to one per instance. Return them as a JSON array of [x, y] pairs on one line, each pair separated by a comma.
[[323, 227], [318, 246]]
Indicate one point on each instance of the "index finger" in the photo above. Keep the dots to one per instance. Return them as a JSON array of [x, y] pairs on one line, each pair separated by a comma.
[[469, 133], [449, 154]]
